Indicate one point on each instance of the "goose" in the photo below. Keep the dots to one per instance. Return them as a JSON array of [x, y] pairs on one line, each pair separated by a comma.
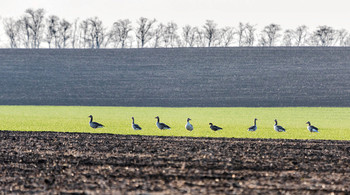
[[94, 124], [135, 126], [161, 126], [189, 126], [213, 127], [278, 128], [311, 128], [254, 127]]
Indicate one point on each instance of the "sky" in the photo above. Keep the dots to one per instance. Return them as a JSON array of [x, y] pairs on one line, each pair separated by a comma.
[[287, 13]]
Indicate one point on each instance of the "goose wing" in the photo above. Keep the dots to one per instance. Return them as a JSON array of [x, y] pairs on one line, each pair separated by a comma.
[[280, 128], [136, 127], [313, 127], [189, 126], [96, 125], [164, 126], [215, 128], [252, 128]]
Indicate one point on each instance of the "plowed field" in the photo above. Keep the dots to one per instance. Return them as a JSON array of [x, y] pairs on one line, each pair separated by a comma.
[[47, 162]]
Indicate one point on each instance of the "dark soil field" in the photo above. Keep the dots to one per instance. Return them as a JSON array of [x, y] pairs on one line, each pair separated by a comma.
[[204, 77], [46, 162]]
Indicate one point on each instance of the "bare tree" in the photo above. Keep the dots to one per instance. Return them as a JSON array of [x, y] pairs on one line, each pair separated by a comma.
[[287, 37], [84, 34], [35, 23], [226, 36], [341, 36], [92, 33], [324, 36], [269, 35], [240, 32], [25, 32], [144, 31], [74, 38], [52, 30], [200, 38], [249, 35], [189, 35], [120, 32], [64, 33], [170, 34], [12, 28], [97, 32], [158, 35], [300, 35], [210, 32]]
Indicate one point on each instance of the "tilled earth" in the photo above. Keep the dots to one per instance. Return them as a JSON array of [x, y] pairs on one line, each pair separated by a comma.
[[79, 163]]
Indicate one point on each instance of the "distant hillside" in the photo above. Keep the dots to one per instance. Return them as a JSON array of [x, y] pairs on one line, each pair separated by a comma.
[[176, 77]]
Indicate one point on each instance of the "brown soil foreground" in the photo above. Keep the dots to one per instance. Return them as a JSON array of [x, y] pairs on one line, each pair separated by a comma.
[[47, 162]]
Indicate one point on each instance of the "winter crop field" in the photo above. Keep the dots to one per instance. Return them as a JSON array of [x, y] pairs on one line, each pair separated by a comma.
[[226, 86], [333, 123]]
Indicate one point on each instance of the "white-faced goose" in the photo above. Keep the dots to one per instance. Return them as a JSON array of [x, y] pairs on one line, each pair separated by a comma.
[[135, 126], [311, 128], [278, 128], [214, 127], [161, 126], [254, 127], [94, 124], [189, 126]]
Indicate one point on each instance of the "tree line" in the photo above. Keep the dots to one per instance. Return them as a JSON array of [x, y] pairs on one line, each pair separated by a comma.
[[36, 30]]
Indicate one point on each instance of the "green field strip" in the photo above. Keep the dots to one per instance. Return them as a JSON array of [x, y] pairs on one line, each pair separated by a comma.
[[333, 122]]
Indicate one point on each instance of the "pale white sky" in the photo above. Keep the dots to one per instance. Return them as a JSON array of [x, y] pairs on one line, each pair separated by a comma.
[[287, 13]]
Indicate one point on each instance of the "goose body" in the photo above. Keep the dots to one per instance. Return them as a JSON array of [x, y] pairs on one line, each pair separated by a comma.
[[189, 126], [214, 127], [94, 124], [135, 126], [254, 127], [278, 128], [311, 128], [161, 126]]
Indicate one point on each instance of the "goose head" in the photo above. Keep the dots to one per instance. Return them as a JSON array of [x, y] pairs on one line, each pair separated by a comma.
[[188, 119], [308, 122], [210, 124], [90, 116]]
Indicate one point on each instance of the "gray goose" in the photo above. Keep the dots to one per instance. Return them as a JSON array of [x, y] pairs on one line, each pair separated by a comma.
[[214, 127], [161, 126], [189, 126], [278, 128], [94, 124], [135, 126], [254, 127], [311, 128]]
